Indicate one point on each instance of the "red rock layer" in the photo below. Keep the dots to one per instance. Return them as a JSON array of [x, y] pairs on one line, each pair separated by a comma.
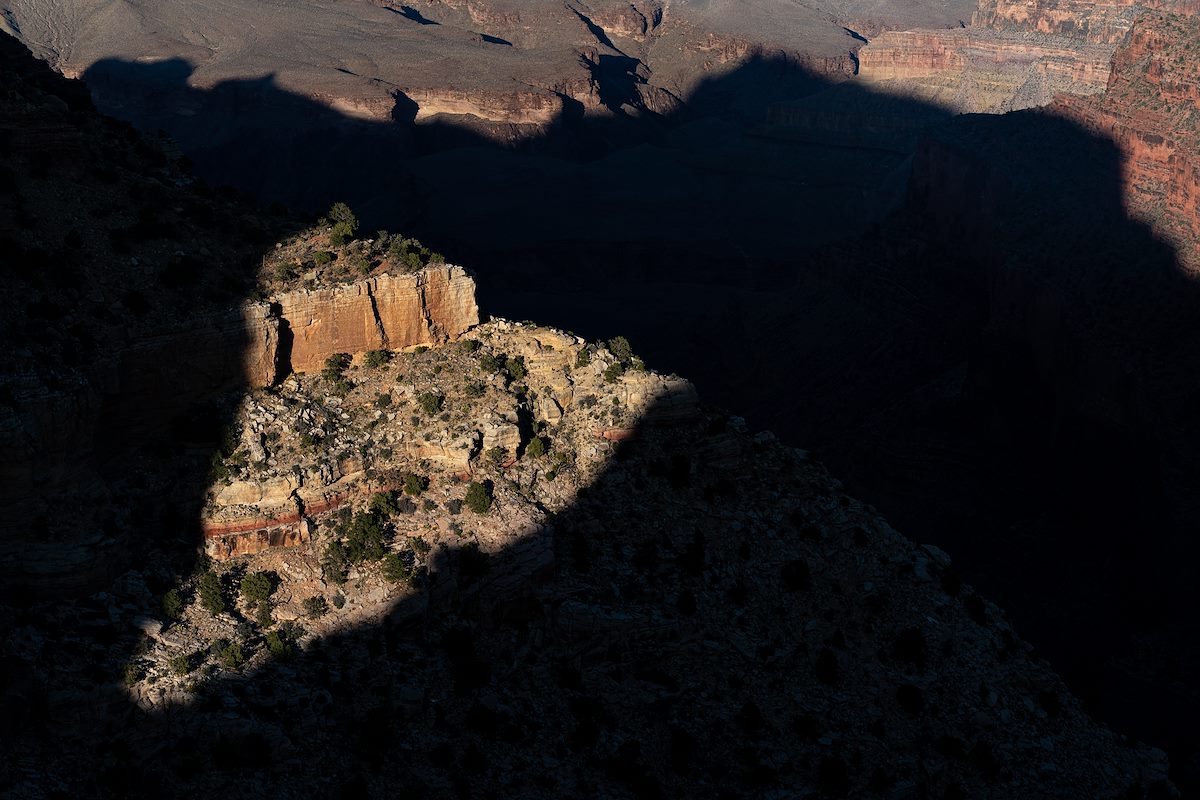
[[1151, 110]]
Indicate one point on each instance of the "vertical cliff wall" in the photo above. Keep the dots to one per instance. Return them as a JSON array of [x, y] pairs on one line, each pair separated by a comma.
[[384, 311]]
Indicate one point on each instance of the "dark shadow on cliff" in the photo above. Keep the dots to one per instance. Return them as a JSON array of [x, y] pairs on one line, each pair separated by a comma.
[[1000, 365]]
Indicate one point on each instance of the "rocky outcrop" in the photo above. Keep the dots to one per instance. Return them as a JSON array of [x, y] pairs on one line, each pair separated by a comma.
[[381, 312]]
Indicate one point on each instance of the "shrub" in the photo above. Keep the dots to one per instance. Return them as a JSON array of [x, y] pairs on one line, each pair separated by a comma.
[[231, 654], [497, 455], [475, 389], [469, 345], [316, 606], [263, 615], [384, 504], [334, 564], [613, 373], [335, 365], [583, 358], [454, 506], [536, 447], [173, 605], [181, 664], [620, 349], [415, 484], [257, 587], [383, 400], [419, 545], [278, 644], [322, 257], [365, 538], [132, 673], [211, 596], [430, 403], [478, 497], [394, 568], [377, 358], [341, 215], [489, 363], [516, 368]]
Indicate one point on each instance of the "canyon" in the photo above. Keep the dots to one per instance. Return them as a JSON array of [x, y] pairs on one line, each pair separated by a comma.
[[979, 321]]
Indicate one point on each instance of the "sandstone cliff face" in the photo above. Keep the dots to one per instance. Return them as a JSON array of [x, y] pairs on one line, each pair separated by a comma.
[[1151, 110], [381, 312], [1096, 23], [1013, 56], [974, 70]]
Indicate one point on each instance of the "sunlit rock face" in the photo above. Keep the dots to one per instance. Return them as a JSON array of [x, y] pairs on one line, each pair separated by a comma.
[[385, 311], [1012, 56]]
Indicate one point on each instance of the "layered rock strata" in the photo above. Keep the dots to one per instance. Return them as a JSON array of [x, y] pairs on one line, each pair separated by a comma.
[[380, 312]]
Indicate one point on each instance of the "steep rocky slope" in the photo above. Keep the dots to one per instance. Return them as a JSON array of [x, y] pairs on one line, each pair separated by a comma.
[[659, 602]]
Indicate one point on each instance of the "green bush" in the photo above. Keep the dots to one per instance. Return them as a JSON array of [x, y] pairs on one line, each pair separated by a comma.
[[497, 455], [335, 366], [377, 358], [475, 389], [536, 448], [257, 587], [345, 224], [478, 497], [430, 403], [613, 373], [231, 655], [384, 504], [281, 642], [263, 615], [132, 673], [620, 349], [212, 599], [365, 538], [181, 664], [322, 257], [415, 484], [383, 400], [335, 564], [394, 568], [173, 605], [515, 368], [583, 358], [316, 606]]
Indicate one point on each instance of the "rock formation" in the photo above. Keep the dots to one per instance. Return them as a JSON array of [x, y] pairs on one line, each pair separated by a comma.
[[381, 312], [1012, 56]]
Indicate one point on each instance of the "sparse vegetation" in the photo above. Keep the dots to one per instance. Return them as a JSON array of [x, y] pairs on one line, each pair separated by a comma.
[[230, 654], [212, 597], [316, 606], [414, 484], [173, 605], [257, 587], [478, 497], [344, 224], [377, 358], [430, 402]]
